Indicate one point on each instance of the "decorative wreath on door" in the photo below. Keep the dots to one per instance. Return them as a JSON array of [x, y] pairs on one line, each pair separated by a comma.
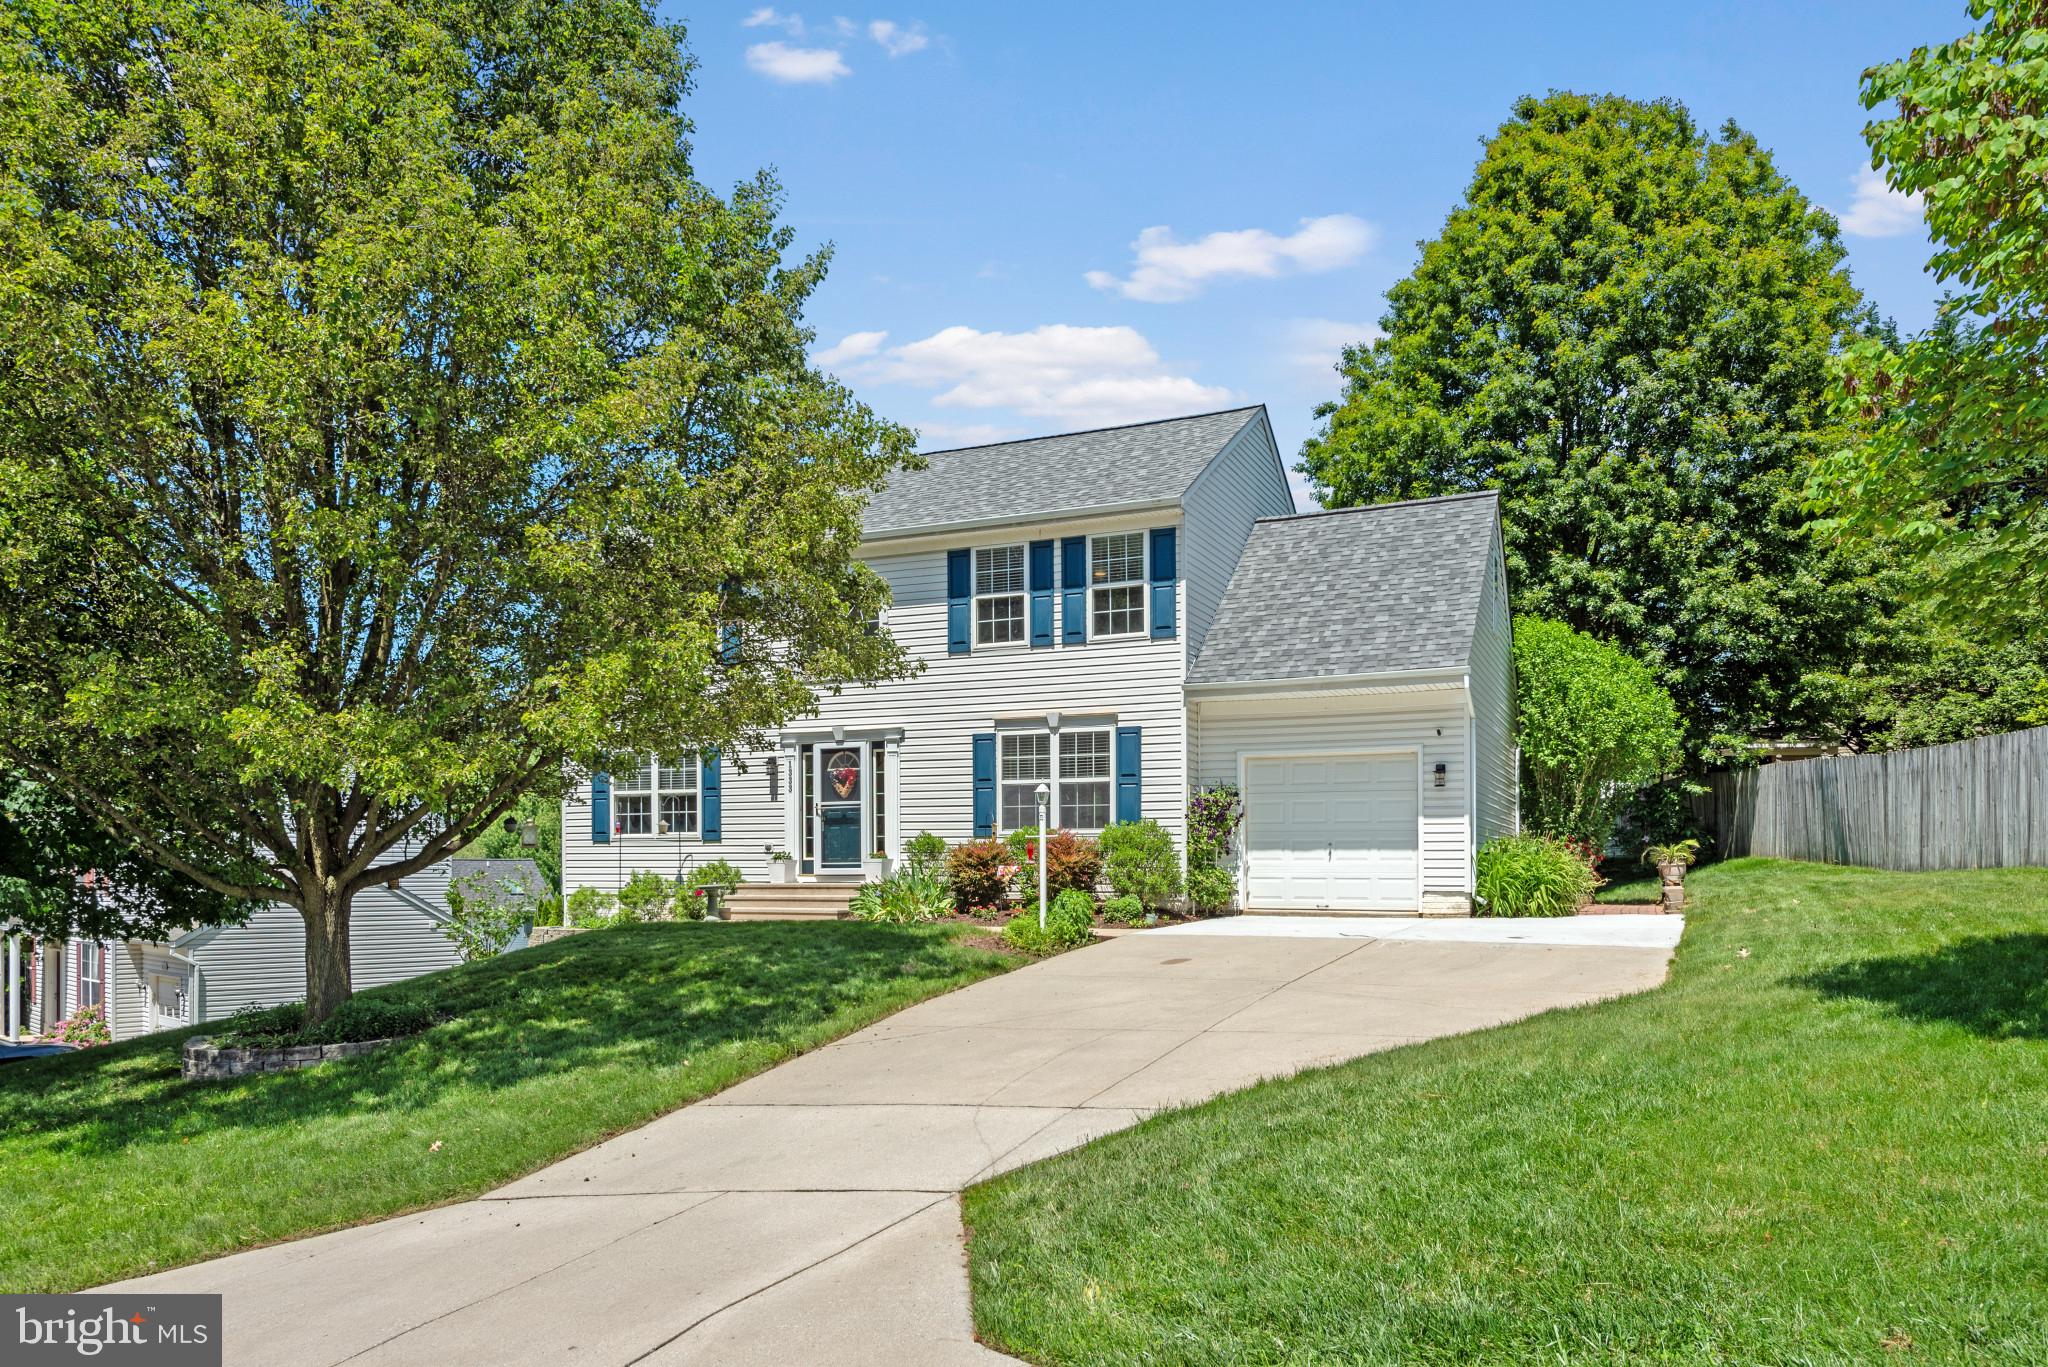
[[845, 776]]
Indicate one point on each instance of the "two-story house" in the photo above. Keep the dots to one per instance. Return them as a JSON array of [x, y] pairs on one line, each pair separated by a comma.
[[1125, 616]]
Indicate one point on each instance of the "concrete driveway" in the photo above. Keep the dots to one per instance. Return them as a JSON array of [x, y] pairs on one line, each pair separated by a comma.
[[810, 1214]]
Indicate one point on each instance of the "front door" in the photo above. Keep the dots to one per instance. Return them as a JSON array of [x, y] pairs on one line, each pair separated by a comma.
[[842, 798]]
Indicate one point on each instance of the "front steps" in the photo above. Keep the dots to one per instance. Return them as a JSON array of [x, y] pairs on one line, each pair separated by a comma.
[[790, 901]]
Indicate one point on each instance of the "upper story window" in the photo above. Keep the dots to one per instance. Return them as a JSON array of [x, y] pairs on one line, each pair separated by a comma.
[[1116, 585], [998, 595], [660, 798]]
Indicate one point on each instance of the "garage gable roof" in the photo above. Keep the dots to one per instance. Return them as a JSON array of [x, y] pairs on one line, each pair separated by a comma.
[[1385, 589], [1144, 465]]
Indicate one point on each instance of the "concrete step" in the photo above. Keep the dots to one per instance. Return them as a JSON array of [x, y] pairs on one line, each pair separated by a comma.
[[790, 901]]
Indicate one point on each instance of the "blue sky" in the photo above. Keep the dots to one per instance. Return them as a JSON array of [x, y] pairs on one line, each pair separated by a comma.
[[1052, 216]]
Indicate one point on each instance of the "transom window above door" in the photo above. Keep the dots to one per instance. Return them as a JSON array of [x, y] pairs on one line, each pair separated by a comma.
[[1116, 584], [660, 798], [998, 595]]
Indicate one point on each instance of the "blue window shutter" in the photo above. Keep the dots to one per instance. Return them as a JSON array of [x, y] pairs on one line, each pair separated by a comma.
[[985, 784], [959, 602], [600, 809], [729, 644], [1041, 594], [1130, 750], [709, 822], [1165, 574], [1074, 590]]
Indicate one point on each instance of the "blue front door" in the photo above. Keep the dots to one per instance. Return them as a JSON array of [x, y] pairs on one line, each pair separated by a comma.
[[841, 842], [842, 796]]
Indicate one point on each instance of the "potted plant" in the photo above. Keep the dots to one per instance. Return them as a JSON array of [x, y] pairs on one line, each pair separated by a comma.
[[1672, 861], [875, 868], [781, 868]]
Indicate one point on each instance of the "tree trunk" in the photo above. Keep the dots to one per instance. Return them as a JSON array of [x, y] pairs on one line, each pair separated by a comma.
[[327, 961]]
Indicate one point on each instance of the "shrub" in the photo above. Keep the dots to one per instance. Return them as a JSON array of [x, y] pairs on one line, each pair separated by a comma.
[[482, 919], [719, 874], [1069, 921], [357, 1019], [84, 1027], [1211, 889], [648, 897], [1593, 723], [1139, 861], [1127, 911], [907, 897], [1532, 875], [925, 853], [1072, 862], [979, 873], [591, 909]]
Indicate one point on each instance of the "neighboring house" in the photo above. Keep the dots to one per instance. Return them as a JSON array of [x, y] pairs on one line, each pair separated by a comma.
[[1125, 615], [214, 971]]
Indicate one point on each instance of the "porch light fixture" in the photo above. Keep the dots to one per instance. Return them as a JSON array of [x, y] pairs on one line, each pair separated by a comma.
[[1044, 795], [1441, 771]]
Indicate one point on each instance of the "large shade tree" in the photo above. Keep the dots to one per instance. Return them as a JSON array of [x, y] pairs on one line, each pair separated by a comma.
[[1954, 465], [1626, 328], [390, 422]]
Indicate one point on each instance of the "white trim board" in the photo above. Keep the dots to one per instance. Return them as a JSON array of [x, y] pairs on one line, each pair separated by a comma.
[[1633, 931]]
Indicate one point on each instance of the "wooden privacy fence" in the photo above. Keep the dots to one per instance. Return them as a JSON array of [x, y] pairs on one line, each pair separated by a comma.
[[1975, 804]]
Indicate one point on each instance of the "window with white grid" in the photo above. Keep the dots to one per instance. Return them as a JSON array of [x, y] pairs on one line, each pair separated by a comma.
[[1116, 584], [998, 595]]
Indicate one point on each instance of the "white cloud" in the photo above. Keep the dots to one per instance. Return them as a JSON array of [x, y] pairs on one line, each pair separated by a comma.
[[797, 65], [1878, 210], [1075, 374], [854, 346], [1168, 269], [769, 17], [1313, 346], [896, 40]]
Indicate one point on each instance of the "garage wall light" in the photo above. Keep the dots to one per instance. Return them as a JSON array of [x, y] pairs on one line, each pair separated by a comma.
[[1441, 771]]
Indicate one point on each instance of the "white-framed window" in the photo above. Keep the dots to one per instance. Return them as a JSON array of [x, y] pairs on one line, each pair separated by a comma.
[[1116, 584], [1026, 763], [1076, 765], [92, 981], [659, 798], [1085, 780], [998, 595]]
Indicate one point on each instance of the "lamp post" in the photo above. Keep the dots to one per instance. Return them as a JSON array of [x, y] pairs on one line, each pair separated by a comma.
[[1044, 803]]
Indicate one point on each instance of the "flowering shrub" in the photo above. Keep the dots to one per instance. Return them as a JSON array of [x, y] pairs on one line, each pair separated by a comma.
[[1214, 815], [85, 1027], [980, 873]]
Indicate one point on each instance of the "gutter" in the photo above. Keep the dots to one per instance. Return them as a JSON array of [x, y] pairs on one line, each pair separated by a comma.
[[1389, 680]]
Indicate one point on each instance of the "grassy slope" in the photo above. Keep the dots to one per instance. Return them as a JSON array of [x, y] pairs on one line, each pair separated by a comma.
[[1830, 1148], [111, 1166]]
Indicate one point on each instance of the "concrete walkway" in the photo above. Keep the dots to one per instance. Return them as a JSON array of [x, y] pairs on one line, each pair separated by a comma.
[[809, 1215]]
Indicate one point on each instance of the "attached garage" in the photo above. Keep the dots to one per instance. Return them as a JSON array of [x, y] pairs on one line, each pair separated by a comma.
[[1333, 832], [1355, 686]]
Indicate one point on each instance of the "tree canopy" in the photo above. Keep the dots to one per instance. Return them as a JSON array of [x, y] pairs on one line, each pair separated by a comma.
[[391, 422], [1626, 328], [1593, 725], [1952, 463]]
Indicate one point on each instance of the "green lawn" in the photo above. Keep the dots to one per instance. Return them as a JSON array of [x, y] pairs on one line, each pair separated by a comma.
[[1824, 1141], [111, 1166]]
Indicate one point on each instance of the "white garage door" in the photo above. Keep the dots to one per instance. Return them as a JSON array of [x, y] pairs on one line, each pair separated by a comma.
[[1332, 832]]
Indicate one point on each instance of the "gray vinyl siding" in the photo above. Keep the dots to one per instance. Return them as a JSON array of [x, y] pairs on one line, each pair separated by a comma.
[[1245, 482], [1495, 767], [1433, 723], [392, 937], [1129, 681]]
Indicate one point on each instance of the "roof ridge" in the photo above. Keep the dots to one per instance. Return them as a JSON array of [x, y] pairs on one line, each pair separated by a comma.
[[1374, 507], [1091, 431]]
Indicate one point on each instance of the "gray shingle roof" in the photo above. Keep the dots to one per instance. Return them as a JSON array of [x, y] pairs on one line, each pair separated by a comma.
[[1379, 589], [1078, 472]]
